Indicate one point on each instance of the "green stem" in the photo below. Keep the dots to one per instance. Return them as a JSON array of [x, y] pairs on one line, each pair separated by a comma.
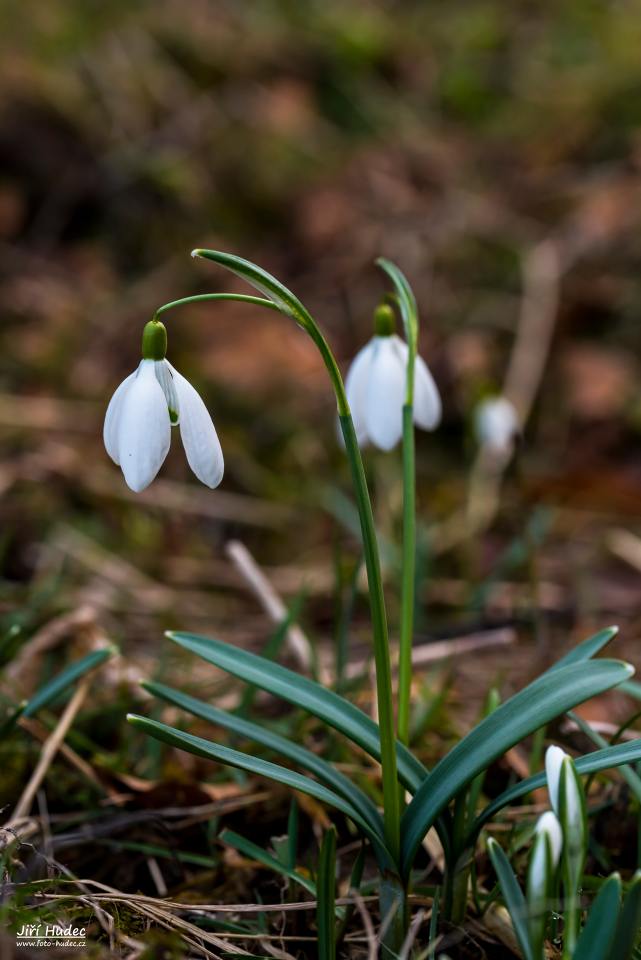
[[207, 297], [391, 804], [408, 576], [571, 915]]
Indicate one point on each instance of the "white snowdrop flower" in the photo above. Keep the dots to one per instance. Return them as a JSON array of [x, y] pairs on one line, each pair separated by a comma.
[[554, 757], [568, 800], [376, 385], [497, 424], [549, 826], [155, 397]]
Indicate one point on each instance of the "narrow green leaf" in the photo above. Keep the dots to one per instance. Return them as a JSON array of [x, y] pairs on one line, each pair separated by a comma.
[[513, 896], [590, 763], [585, 650], [596, 939], [254, 852], [11, 719], [406, 300], [354, 884], [292, 834], [51, 690], [632, 688], [631, 778], [262, 768], [540, 702], [321, 702], [303, 758], [629, 926], [326, 909], [263, 281]]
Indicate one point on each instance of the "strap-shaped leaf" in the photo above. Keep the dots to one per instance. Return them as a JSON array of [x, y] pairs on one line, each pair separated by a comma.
[[262, 281], [254, 852], [604, 759], [406, 300], [326, 910], [540, 702], [586, 649], [632, 688], [66, 678], [596, 939], [302, 692], [263, 768], [321, 769], [629, 927], [513, 896]]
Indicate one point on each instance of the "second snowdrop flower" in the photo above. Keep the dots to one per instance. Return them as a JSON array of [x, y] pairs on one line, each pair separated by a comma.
[[376, 386], [155, 397]]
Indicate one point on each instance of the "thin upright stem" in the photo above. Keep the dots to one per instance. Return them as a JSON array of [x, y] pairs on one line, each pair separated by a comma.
[[408, 576], [391, 804]]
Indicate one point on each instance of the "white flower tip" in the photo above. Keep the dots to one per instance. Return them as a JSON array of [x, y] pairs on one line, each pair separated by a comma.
[[554, 757], [197, 253], [549, 825], [135, 483]]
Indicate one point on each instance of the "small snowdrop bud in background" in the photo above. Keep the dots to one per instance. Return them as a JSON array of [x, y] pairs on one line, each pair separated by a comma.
[[554, 757], [497, 425], [376, 386], [544, 859], [155, 397], [548, 825]]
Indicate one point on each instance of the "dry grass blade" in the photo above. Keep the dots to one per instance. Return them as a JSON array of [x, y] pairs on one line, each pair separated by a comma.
[[372, 943], [270, 601], [50, 749]]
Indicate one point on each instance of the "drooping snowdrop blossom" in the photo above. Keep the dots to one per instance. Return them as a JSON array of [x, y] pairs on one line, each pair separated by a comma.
[[497, 425], [376, 386], [142, 411]]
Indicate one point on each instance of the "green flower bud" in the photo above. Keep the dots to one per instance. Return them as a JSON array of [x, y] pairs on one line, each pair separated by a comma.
[[154, 341], [384, 320]]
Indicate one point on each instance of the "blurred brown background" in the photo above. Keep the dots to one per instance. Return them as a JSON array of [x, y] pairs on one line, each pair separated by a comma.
[[493, 152]]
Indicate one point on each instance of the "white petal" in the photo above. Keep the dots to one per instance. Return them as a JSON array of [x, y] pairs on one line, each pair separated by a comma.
[[549, 825], [385, 393], [144, 431], [356, 388], [112, 418], [165, 378], [554, 757], [427, 400], [198, 433]]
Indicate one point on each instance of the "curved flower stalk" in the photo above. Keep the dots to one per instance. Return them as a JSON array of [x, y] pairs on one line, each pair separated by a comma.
[[152, 399], [376, 387]]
